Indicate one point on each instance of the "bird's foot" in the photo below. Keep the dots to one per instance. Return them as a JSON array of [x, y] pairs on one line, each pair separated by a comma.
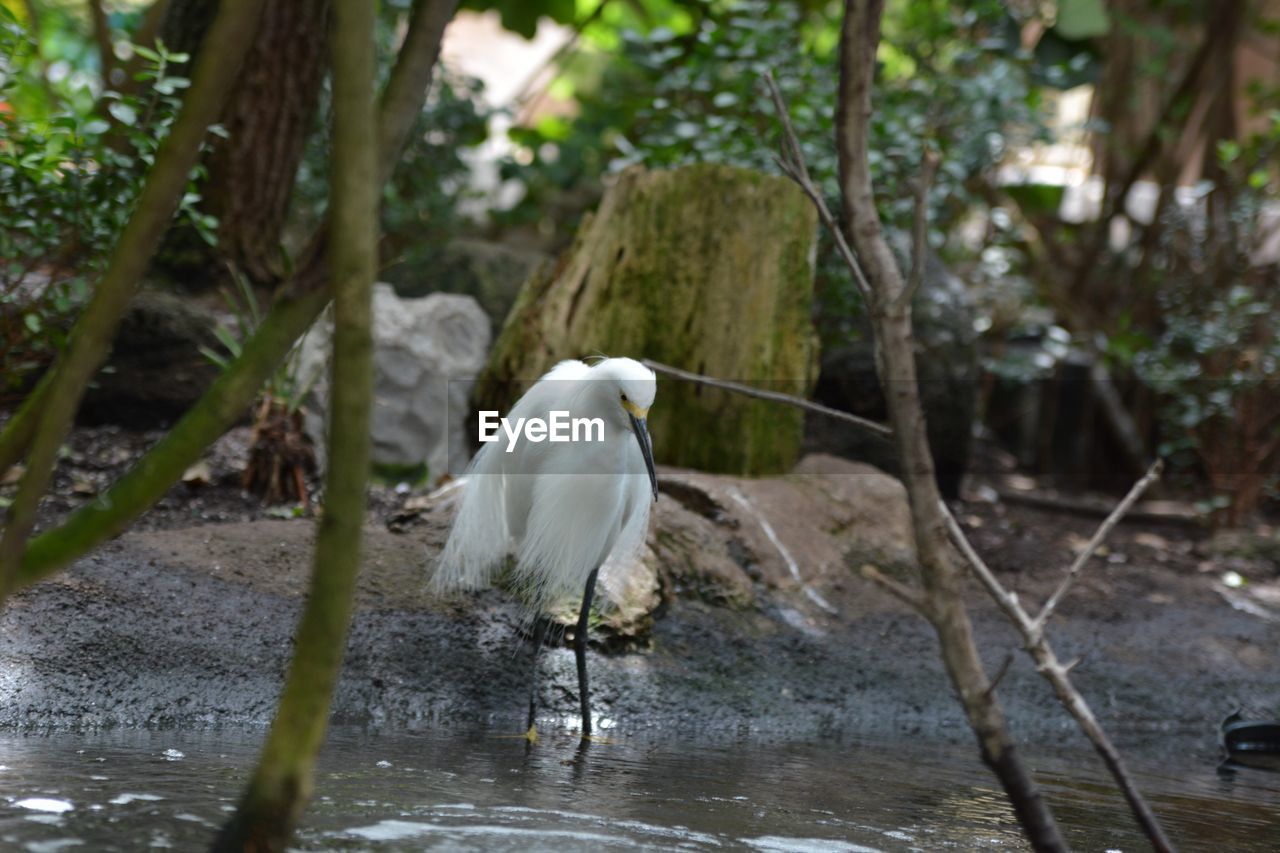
[[532, 734]]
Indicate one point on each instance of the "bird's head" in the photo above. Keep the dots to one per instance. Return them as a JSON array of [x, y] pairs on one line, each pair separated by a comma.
[[634, 386]]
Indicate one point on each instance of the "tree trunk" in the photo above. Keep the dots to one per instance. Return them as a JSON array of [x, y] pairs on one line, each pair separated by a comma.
[[251, 173], [281, 785], [941, 603], [708, 268]]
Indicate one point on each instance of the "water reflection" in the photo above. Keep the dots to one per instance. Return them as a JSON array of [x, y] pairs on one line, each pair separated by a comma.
[[464, 790]]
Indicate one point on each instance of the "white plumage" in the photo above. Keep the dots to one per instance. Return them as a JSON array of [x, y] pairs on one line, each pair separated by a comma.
[[563, 509]]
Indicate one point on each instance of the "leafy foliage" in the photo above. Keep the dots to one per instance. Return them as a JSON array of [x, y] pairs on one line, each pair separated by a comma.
[[283, 385], [952, 79], [281, 454], [422, 203], [69, 178], [522, 16], [1216, 360]]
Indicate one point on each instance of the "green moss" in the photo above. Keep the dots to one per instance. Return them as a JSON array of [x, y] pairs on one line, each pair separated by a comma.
[[708, 268]]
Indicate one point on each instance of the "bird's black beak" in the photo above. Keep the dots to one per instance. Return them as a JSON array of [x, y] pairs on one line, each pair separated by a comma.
[[641, 429]]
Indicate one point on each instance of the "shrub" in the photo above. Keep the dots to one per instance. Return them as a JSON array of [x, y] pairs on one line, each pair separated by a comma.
[[71, 169]]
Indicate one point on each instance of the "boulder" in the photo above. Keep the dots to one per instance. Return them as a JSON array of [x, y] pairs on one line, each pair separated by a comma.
[[426, 354], [948, 370], [156, 370], [736, 542], [707, 268]]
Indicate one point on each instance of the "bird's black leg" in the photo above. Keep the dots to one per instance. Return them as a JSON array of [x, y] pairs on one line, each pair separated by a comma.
[[539, 637], [580, 651]]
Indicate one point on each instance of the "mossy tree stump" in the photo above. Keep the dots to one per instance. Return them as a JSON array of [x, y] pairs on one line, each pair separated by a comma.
[[706, 267]]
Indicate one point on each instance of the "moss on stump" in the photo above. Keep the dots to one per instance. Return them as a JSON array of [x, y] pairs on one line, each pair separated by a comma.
[[708, 268]]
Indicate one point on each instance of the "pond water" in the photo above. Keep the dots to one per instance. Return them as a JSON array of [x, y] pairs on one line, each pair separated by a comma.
[[451, 789]]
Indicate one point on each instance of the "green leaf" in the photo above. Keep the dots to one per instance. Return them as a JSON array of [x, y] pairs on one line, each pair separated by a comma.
[[216, 357], [1082, 19], [227, 339], [33, 324], [124, 113]]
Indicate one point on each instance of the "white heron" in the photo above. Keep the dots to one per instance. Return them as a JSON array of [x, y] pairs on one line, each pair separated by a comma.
[[564, 508]]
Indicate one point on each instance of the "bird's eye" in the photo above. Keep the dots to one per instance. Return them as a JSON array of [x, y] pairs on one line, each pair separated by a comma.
[[624, 398]]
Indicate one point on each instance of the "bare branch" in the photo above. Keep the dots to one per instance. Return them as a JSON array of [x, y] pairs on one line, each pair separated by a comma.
[[402, 97], [896, 368], [1007, 601], [920, 226], [913, 599], [1059, 677], [773, 396], [1104, 529], [1117, 416], [939, 601], [791, 162]]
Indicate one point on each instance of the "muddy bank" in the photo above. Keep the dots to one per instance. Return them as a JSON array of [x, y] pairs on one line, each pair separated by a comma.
[[773, 633]]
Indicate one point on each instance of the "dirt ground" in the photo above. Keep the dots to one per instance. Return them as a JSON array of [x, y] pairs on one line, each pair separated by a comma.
[[187, 620]]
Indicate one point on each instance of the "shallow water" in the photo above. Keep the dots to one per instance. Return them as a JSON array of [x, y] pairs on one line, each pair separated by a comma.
[[462, 790]]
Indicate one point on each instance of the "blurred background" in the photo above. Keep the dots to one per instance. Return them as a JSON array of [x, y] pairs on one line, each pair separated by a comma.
[[1103, 228]]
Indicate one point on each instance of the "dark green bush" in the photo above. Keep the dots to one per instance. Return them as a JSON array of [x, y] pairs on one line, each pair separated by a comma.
[[71, 169], [951, 78]]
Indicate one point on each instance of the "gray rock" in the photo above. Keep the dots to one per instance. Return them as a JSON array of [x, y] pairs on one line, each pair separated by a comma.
[[947, 367], [156, 370], [490, 272], [426, 354]]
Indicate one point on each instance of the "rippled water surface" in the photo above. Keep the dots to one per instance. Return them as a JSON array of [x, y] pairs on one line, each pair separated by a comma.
[[460, 790]]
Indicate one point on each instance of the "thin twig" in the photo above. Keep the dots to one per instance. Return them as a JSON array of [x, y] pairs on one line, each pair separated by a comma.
[[1000, 673], [1059, 677], [773, 396], [1104, 529], [1007, 601], [902, 592], [791, 162], [920, 226]]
